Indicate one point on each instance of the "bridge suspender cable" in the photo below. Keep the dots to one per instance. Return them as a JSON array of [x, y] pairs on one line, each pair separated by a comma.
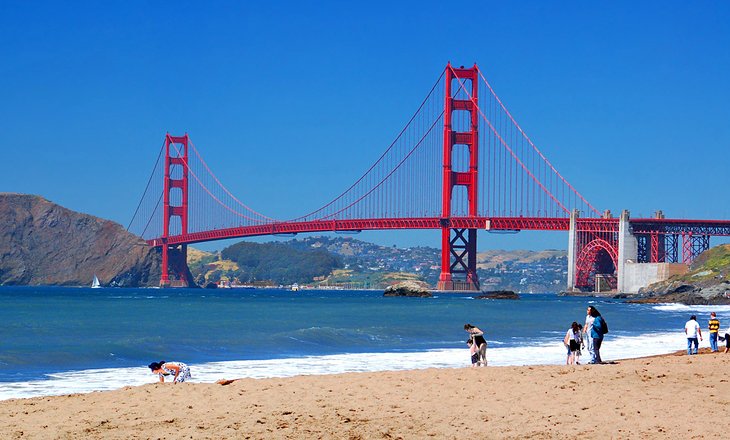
[[425, 100], [512, 153], [529, 141], [154, 168], [202, 185], [418, 144], [223, 187], [504, 144]]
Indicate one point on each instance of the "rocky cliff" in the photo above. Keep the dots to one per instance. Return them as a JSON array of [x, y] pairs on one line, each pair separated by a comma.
[[707, 282], [42, 243]]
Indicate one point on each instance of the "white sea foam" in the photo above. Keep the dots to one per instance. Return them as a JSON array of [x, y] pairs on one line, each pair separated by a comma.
[[83, 381], [685, 308]]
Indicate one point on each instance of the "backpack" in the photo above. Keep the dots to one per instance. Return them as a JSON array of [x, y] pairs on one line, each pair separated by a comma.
[[604, 326]]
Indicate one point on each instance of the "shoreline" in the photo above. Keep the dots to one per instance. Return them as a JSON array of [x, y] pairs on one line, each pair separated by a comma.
[[548, 350], [546, 353], [634, 398]]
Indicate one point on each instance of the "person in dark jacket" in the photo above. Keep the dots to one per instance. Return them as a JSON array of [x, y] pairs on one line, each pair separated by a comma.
[[596, 335]]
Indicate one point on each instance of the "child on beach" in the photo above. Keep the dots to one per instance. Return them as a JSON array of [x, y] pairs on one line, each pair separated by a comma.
[[474, 350], [572, 342]]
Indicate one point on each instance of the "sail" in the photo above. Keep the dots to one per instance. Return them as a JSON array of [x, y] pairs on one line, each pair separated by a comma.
[[95, 284]]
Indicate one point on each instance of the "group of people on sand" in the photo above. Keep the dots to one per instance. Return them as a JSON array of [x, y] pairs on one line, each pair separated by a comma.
[[594, 329], [694, 334], [578, 337]]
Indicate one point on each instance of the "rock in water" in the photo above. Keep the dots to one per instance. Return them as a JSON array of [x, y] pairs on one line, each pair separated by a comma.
[[408, 288], [498, 294], [42, 243]]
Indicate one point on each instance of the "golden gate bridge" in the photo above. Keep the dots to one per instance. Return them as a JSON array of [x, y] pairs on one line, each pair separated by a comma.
[[460, 164]]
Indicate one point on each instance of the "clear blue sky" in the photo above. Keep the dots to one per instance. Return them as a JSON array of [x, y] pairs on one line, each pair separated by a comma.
[[290, 101]]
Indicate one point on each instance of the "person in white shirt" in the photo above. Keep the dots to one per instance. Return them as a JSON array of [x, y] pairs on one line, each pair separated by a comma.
[[692, 330], [587, 331], [573, 340]]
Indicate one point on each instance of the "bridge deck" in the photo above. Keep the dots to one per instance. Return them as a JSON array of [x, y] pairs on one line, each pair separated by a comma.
[[639, 226]]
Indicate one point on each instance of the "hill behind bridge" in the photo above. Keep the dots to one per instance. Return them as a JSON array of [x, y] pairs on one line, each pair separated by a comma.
[[366, 265]]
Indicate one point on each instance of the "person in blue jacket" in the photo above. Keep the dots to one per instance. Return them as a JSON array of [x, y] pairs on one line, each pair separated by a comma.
[[596, 335]]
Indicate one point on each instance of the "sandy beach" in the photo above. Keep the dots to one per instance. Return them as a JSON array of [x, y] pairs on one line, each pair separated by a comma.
[[673, 396]]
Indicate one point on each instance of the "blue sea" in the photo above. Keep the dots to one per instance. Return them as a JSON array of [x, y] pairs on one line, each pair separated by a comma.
[[56, 340]]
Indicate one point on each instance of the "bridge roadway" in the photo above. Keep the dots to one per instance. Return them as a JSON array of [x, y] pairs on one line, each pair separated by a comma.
[[638, 226]]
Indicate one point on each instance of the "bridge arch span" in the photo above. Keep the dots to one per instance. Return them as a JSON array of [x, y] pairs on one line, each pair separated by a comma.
[[596, 257]]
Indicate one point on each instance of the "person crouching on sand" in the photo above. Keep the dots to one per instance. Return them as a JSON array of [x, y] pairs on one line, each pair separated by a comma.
[[478, 337], [180, 371], [726, 340]]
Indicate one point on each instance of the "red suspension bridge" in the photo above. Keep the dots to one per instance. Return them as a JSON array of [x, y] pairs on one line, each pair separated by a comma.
[[461, 164]]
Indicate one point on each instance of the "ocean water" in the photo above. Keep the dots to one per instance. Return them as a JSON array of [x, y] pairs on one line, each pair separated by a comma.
[[57, 340]]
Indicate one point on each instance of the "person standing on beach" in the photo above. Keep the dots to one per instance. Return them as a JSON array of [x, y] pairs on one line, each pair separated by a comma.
[[478, 337], [180, 371], [714, 327], [582, 345], [587, 331], [572, 342], [597, 332], [692, 330]]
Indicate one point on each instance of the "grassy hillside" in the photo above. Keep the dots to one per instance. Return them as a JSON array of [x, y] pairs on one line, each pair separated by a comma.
[[710, 267], [491, 258], [707, 282], [279, 263]]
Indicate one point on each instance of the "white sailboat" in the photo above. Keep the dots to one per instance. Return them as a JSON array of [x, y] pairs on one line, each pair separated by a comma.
[[95, 284]]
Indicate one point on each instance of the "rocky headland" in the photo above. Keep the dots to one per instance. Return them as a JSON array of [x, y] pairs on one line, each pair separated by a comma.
[[42, 243], [707, 282]]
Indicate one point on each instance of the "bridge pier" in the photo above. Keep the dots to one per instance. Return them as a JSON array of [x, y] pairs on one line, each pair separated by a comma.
[[572, 250], [164, 269], [459, 254], [628, 250], [175, 261]]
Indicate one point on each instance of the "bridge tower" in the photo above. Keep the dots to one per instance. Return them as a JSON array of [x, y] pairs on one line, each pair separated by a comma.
[[175, 206], [459, 246]]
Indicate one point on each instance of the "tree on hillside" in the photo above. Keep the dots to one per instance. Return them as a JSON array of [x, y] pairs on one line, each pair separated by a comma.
[[279, 262]]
